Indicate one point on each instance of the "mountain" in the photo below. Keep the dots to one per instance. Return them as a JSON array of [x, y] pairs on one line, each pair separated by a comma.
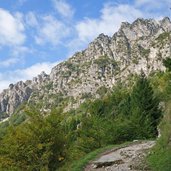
[[141, 45]]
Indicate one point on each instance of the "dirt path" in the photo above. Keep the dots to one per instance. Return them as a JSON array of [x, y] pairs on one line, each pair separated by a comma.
[[122, 159]]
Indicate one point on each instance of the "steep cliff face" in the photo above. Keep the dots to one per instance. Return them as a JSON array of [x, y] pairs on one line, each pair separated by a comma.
[[18, 93], [141, 45]]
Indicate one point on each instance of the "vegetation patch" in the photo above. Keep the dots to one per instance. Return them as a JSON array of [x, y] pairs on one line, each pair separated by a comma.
[[160, 157]]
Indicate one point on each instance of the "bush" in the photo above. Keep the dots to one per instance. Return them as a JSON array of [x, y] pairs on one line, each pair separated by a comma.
[[36, 145], [160, 156]]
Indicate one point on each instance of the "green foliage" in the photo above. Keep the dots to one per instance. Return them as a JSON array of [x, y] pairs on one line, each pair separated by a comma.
[[123, 130], [101, 91], [57, 98], [163, 36], [17, 119], [145, 52], [49, 86], [109, 105], [66, 73], [71, 66], [160, 82], [104, 61], [160, 156], [86, 95], [3, 129], [36, 145], [91, 133], [162, 39], [135, 61], [14, 120], [3, 115], [47, 142], [145, 112], [167, 63]]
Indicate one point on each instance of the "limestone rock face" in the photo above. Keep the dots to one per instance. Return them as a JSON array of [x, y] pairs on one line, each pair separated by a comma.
[[11, 98], [18, 93], [141, 45]]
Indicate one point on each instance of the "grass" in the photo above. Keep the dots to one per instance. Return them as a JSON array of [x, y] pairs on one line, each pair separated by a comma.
[[160, 157], [80, 164]]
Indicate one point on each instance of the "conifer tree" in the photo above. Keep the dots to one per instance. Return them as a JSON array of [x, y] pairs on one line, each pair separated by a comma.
[[145, 107]]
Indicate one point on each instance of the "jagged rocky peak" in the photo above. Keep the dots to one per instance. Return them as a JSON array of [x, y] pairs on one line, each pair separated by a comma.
[[136, 46], [99, 47], [18, 86], [102, 38], [41, 78], [125, 25], [20, 92], [144, 28], [166, 24], [11, 98], [100, 42], [11, 86]]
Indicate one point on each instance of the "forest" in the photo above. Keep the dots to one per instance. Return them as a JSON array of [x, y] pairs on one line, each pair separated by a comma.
[[32, 141]]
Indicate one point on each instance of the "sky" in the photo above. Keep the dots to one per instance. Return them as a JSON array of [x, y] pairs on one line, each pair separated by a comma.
[[35, 35]]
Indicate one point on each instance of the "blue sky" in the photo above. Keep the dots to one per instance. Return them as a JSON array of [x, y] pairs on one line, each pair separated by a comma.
[[35, 35]]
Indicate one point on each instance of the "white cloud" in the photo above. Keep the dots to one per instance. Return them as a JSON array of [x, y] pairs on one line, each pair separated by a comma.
[[24, 74], [17, 55], [75, 45], [110, 19], [51, 31], [4, 84], [11, 29], [156, 9], [152, 3], [47, 29], [21, 51], [31, 19], [9, 62], [63, 8], [35, 69], [108, 23]]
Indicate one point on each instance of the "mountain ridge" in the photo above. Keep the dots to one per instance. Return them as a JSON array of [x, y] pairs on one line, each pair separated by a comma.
[[141, 45]]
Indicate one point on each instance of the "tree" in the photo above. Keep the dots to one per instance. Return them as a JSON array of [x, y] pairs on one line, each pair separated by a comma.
[[92, 133], [144, 108], [38, 144]]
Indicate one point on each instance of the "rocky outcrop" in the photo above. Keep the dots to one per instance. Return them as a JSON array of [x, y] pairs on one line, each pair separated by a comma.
[[11, 98], [133, 48], [141, 45], [18, 93]]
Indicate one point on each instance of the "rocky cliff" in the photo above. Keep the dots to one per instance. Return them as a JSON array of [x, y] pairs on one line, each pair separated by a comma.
[[141, 45]]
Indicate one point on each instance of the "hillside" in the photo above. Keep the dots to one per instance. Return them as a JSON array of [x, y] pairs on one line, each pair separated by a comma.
[[141, 45], [110, 94]]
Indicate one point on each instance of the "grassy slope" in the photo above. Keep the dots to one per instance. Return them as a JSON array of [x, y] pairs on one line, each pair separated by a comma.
[[160, 157]]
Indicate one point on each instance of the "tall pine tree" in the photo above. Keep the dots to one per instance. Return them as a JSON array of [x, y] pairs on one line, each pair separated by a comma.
[[145, 112]]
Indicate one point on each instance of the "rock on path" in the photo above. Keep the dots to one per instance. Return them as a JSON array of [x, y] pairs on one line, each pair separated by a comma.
[[122, 159]]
